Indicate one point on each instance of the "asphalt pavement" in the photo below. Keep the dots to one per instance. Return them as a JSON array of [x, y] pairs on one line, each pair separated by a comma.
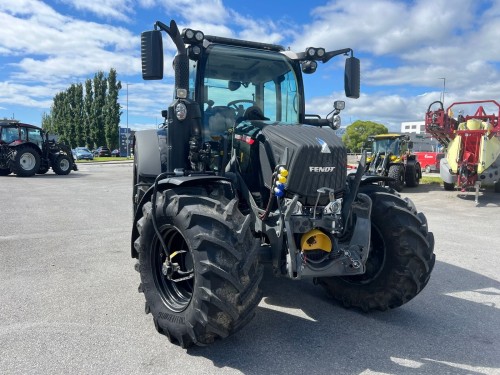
[[69, 302]]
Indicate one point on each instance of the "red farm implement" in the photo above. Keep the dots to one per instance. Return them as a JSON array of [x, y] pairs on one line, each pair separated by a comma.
[[472, 144]]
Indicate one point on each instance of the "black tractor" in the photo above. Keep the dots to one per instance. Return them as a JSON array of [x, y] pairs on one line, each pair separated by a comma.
[[239, 175], [26, 150]]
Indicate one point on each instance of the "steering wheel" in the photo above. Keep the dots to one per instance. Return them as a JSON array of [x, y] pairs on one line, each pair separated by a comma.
[[234, 102]]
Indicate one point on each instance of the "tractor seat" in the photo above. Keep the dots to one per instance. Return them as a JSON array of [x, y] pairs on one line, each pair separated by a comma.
[[219, 119], [252, 113]]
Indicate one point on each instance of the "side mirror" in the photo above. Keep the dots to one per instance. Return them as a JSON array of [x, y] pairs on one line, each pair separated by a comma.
[[152, 55], [352, 75]]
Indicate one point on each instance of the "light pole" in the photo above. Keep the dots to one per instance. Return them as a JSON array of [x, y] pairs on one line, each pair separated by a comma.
[[444, 88], [126, 134]]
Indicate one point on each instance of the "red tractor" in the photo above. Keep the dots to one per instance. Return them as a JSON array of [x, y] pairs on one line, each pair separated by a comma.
[[472, 144], [26, 150]]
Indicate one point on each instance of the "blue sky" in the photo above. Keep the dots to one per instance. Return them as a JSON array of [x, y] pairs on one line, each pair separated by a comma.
[[405, 48]]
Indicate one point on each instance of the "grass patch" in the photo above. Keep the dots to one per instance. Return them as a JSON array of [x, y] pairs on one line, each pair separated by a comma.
[[431, 180], [103, 159]]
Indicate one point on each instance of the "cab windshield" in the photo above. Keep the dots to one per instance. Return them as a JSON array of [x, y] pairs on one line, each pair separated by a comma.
[[386, 146], [236, 78]]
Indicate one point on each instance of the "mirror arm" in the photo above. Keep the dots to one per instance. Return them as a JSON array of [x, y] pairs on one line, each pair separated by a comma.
[[332, 54], [173, 32]]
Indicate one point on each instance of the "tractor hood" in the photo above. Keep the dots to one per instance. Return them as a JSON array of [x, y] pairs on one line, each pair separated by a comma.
[[316, 156]]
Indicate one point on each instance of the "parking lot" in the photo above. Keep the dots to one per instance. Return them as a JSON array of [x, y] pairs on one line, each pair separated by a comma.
[[69, 302]]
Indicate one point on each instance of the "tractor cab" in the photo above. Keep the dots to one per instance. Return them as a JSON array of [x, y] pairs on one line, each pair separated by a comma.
[[391, 157], [391, 143], [239, 83]]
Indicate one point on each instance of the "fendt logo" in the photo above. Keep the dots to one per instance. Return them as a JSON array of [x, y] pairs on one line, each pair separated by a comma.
[[321, 169]]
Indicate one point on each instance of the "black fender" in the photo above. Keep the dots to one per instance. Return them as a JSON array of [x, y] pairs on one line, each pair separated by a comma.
[[412, 160], [34, 146], [370, 179], [147, 162], [147, 159], [165, 184]]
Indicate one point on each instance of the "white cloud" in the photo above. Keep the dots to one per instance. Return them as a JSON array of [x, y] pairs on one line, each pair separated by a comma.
[[116, 9], [36, 96], [203, 11], [384, 27], [62, 48]]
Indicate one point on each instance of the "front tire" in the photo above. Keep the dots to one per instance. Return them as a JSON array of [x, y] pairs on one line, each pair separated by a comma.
[[400, 260], [211, 242], [412, 175], [396, 172], [62, 164]]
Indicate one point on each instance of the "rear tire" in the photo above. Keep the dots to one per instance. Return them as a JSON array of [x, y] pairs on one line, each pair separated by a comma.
[[400, 260], [396, 172], [211, 240], [62, 164], [25, 161], [497, 187]]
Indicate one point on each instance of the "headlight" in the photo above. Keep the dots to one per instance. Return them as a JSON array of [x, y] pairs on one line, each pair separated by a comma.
[[189, 34], [199, 36], [309, 66], [336, 122], [180, 111]]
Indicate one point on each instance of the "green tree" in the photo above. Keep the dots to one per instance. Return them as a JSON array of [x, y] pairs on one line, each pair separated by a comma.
[[357, 134], [87, 114], [47, 122], [112, 111], [91, 118], [76, 115], [58, 115], [98, 109]]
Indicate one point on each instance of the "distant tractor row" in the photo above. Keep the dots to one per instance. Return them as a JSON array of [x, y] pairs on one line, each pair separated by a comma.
[[26, 150]]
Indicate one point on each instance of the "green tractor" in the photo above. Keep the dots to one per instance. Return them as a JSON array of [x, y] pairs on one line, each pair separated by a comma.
[[391, 157], [239, 175]]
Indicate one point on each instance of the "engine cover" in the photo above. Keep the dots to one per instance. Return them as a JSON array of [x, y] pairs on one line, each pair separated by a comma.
[[316, 158]]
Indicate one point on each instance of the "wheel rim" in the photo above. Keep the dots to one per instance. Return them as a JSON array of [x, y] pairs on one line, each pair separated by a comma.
[[175, 295], [64, 164], [27, 161], [375, 262]]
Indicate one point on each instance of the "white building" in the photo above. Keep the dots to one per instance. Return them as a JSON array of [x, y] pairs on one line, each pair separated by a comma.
[[417, 127], [421, 140]]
